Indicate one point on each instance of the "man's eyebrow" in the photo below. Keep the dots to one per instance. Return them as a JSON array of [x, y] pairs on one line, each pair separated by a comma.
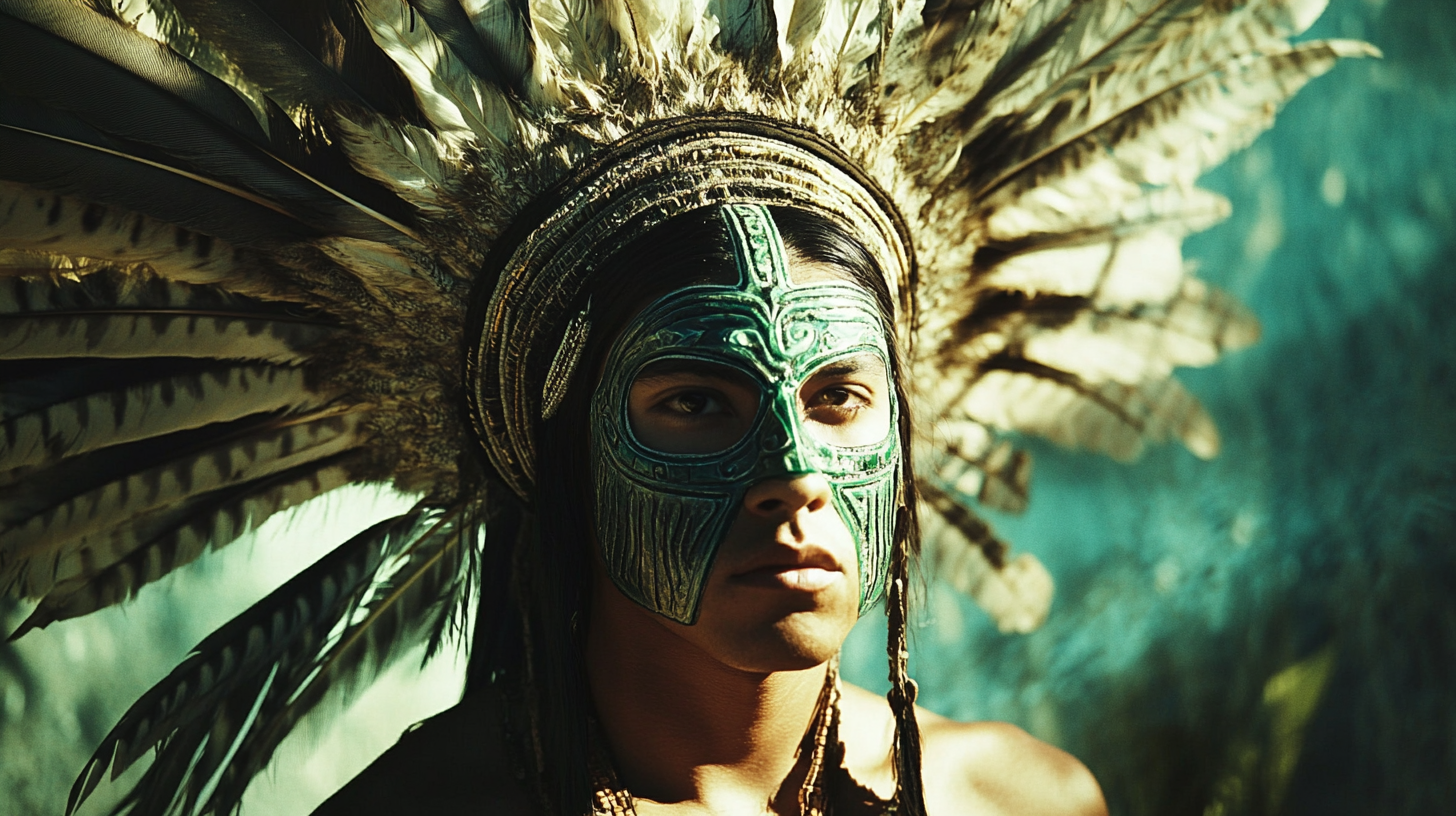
[[858, 364]]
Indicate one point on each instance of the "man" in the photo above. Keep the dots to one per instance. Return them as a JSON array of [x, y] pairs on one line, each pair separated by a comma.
[[254, 251], [717, 694]]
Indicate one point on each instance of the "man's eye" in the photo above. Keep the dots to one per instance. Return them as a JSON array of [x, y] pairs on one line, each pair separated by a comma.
[[834, 397], [692, 403], [836, 404]]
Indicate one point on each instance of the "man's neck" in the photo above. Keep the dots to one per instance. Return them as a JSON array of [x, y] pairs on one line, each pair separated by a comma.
[[685, 728]]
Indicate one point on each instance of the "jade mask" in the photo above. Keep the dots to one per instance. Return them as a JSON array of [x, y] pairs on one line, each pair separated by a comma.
[[660, 516]]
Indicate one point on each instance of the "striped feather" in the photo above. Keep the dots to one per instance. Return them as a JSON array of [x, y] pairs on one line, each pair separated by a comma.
[[130, 333], [115, 315], [1192, 329], [110, 568], [1145, 268], [65, 505], [1170, 136], [284, 628], [150, 409], [1050, 218], [962, 551], [41, 221], [969, 461], [1110, 418]]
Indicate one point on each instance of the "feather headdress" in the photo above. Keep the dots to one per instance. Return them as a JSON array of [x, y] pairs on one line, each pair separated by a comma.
[[241, 240]]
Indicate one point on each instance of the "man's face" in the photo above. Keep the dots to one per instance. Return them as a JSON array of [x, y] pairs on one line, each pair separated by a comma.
[[745, 452], [784, 588], [778, 341]]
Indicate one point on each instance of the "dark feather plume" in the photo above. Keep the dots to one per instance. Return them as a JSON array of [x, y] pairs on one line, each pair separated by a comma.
[[497, 47], [158, 125], [277, 635], [107, 570], [313, 54]]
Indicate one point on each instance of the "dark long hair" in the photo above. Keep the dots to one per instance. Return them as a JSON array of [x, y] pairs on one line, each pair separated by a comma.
[[529, 632]]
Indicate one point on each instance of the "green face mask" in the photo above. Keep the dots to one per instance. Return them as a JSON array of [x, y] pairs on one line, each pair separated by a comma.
[[660, 516]]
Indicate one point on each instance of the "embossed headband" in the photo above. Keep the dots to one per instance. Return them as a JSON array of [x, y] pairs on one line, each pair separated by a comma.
[[660, 172]]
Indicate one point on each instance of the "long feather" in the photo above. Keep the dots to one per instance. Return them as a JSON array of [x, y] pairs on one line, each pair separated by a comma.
[[1118, 46], [47, 222], [149, 409], [136, 56], [452, 97], [1192, 329], [413, 594], [1170, 135], [965, 553], [1111, 418], [494, 42], [1049, 220], [295, 618], [161, 21], [131, 333], [585, 38], [417, 599], [65, 504], [939, 60], [90, 170], [803, 24], [169, 118], [306, 56], [965, 456], [414, 163], [126, 314], [110, 568]]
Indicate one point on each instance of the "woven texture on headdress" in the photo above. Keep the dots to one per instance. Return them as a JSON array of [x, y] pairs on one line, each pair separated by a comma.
[[239, 242]]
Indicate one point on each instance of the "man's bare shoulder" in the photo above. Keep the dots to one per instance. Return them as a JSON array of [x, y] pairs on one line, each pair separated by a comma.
[[1003, 770], [977, 769]]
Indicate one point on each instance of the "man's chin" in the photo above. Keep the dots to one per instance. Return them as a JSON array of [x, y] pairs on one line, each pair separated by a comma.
[[795, 642]]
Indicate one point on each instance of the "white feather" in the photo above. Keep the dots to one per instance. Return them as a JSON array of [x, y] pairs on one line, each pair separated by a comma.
[[453, 98]]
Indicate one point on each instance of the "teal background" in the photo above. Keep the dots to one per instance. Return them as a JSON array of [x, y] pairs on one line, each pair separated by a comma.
[[1273, 631]]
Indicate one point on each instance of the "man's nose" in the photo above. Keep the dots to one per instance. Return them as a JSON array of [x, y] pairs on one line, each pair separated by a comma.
[[781, 497]]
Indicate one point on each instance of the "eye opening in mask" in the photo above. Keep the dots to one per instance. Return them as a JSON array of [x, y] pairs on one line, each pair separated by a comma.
[[849, 402], [687, 405]]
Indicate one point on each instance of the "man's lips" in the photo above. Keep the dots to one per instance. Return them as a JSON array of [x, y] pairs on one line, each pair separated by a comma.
[[808, 570]]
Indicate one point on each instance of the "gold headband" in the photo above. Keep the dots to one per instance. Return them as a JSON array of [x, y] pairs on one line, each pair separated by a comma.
[[660, 172]]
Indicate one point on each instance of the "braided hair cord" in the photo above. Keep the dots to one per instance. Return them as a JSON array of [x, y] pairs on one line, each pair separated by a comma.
[[909, 788]]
